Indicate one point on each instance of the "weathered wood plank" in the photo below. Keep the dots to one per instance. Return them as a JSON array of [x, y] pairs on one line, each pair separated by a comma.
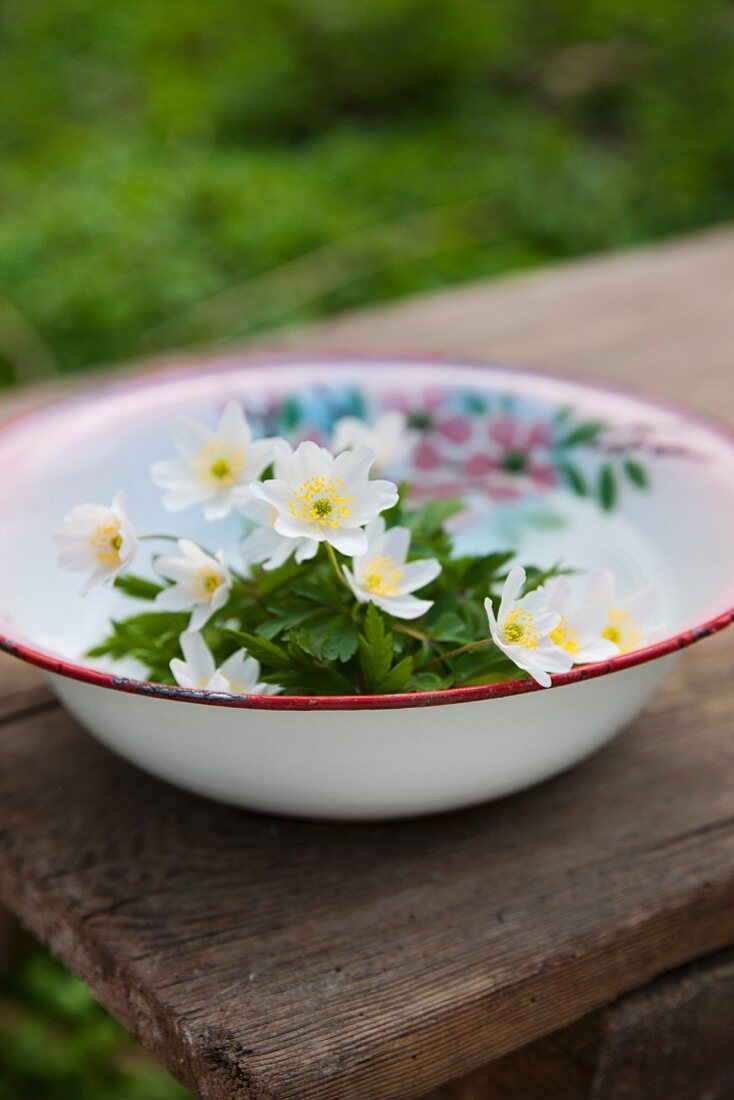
[[273, 958], [21, 688], [658, 319], [266, 958], [673, 1038]]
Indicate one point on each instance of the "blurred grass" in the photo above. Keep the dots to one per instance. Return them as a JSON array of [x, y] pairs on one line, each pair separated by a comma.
[[153, 160], [205, 171], [56, 1043]]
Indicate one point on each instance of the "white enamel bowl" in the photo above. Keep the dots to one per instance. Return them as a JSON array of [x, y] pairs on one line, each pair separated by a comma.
[[555, 468]]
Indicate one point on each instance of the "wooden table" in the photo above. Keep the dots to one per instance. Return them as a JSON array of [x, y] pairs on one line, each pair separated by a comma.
[[273, 959]]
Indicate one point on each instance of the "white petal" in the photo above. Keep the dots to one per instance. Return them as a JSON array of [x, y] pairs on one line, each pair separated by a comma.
[[536, 602], [219, 683], [416, 574], [261, 545], [220, 506], [102, 575], [349, 541], [354, 466], [349, 432], [171, 473], [599, 649], [493, 626], [600, 589], [375, 531], [197, 655], [181, 673], [233, 427], [274, 492], [403, 607], [306, 549], [189, 436], [282, 457], [310, 460], [371, 497], [558, 593], [201, 615], [511, 591], [395, 542], [642, 604], [293, 528], [257, 456], [174, 598], [175, 500], [588, 621], [360, 592], [553, 658], [174, 569], [118, 504]]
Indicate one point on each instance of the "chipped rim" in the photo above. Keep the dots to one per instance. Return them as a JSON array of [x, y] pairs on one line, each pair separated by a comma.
[[440, 697]]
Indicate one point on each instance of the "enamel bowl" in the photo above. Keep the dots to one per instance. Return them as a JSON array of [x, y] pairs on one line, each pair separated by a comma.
[[557, 469]]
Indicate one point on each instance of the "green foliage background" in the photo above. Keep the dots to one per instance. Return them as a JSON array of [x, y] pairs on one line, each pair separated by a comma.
[[154, 155], [172, 173]]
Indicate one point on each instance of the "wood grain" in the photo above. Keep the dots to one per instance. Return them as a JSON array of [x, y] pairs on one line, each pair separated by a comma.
[[273, 958], [673, 1039], [266, 958]]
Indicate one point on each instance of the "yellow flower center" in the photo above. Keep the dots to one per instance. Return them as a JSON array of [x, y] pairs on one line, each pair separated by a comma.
[[321, 500], [565, 637], [622, 629], [206, 582], [221, 469], [382, 576], [519, 629], [219, 464], [107, 543]]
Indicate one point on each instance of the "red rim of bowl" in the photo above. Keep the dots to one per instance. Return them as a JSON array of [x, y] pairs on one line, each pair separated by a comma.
[[441, 697]]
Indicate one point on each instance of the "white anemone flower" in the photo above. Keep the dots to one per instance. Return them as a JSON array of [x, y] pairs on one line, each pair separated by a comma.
[[325, 498], [238, 675], [265, 546], [201, 585], [383, 576], [581, 626], [522, 629], [389, 437], [630, 622], [97, 539], [213, 463]]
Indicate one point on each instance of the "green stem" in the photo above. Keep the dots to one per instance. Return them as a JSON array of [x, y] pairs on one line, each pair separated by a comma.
[[154, 538], [418, 634], [238, 586], [335, 565], [456, 652]]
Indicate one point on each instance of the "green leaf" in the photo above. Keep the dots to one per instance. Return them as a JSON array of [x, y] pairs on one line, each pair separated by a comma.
[[607, 488], [329, 637], [271, 581], [429, 681], [137, 587], [481, 572], [573, 476], [430, 518], [450, 627], [280, 619], [637, 474], [266, 652], [397, 678], [375, 649], [582, 433], [536, 577]]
